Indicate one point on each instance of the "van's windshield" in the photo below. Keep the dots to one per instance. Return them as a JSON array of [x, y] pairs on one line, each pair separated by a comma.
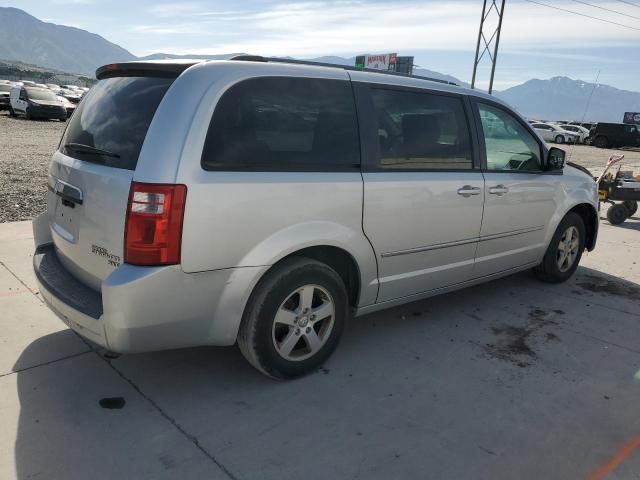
[[41, 94], [113, 118]]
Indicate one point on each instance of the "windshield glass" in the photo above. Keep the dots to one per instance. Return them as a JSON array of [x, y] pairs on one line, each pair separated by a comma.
[[41, 94], [114, 116]]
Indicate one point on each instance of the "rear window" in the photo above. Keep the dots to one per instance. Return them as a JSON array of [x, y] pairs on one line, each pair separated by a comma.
[[285, 124], [111, 122]]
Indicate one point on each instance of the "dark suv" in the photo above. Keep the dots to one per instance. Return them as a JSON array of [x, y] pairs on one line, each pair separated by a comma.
[[612, 135]]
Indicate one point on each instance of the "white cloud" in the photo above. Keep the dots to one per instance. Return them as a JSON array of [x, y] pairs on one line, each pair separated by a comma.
[[73, 2], [345, 27], [172, 10]]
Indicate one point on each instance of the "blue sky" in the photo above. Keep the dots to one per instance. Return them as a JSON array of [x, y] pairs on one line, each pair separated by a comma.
[[537, 42]]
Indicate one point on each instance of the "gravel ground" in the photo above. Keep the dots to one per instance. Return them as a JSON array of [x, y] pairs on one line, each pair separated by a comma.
[[26, 148]]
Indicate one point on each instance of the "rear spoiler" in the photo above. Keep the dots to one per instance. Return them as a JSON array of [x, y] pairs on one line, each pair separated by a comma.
[[144, 69]]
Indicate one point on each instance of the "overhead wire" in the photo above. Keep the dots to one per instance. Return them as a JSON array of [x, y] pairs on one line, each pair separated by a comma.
[[583, 15], [606, 9]]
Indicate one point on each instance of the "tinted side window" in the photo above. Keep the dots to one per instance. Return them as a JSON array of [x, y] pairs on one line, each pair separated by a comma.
[[421, 131], [280, 123], [114, 116], [509, 146]]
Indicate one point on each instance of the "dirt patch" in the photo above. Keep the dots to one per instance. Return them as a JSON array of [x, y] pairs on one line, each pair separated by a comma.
[[609, 286], [515, 343], [512, 341]]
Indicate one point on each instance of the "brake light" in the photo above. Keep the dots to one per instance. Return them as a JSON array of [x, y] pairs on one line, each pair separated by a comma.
[[153, 230]]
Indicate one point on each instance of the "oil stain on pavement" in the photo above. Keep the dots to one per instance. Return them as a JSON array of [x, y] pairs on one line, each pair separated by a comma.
[[514, 344]]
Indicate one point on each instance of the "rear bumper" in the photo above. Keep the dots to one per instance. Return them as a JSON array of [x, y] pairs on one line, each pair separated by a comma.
[[140, 309], [76, 304]]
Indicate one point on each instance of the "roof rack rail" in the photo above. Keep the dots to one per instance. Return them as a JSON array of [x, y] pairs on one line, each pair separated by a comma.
[[258, 58]]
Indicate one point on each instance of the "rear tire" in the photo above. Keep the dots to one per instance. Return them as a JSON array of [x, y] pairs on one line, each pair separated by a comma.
[[564, 252], [559, 139], [282, 337], [29, 116], [631, 206], [617, 214]]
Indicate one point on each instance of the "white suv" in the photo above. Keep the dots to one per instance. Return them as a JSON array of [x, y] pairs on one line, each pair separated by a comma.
[[264, 202]]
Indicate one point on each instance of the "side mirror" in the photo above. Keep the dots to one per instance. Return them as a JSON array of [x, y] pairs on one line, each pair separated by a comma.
[[555, 159]]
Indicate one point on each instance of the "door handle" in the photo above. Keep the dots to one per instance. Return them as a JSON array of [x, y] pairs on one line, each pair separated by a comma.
[[498, 190], [468, 190]]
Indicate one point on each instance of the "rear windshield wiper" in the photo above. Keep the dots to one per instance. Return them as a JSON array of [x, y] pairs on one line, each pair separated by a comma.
[[82, 148]]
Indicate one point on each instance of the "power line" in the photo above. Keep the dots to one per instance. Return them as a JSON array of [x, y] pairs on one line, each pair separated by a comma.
[[629, 3], [606, 9], [583, 15]]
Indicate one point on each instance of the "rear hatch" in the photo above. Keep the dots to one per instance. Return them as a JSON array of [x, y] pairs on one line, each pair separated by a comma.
[[91, 173]]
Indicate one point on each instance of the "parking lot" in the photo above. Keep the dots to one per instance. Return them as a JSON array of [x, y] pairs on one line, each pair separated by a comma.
[[509, 379]]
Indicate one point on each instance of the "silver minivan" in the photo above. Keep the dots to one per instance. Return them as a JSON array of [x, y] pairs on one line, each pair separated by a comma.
[[264, 202]]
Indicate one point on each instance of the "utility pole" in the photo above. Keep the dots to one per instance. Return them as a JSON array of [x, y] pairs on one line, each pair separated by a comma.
[[494, 39]]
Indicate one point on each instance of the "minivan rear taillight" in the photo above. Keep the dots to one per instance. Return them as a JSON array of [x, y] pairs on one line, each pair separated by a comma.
[[153, 231]]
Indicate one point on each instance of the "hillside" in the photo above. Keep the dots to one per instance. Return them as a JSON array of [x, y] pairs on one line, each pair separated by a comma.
[[17, 71], [562, 98], [26, 39]]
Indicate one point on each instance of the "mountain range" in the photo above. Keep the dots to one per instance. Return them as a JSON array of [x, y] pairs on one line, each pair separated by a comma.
[[26, 39], [562, 98]]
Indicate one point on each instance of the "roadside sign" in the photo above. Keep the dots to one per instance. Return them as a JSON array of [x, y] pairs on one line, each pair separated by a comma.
[[379, 61], [632, 118]]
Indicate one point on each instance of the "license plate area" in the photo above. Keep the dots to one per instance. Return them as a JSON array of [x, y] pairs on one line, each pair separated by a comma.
[[63, 221]]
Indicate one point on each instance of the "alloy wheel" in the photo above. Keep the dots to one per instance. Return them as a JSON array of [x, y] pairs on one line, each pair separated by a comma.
[[303, 323], [568, 248]]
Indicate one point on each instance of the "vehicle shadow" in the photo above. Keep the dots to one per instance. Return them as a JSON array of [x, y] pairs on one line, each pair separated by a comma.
[[631, 223], [70, 425], [63, 432]]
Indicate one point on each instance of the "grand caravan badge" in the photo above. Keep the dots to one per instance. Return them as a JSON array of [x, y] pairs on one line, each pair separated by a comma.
[[113, 260]]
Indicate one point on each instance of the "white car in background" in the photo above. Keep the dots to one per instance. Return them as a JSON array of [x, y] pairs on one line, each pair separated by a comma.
[[554, 133], [583, 133], [73, 96], [70, 107]]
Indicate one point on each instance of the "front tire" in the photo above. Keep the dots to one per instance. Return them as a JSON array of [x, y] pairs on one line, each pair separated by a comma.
[[294, 318], [559, 139], [564, 252]]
